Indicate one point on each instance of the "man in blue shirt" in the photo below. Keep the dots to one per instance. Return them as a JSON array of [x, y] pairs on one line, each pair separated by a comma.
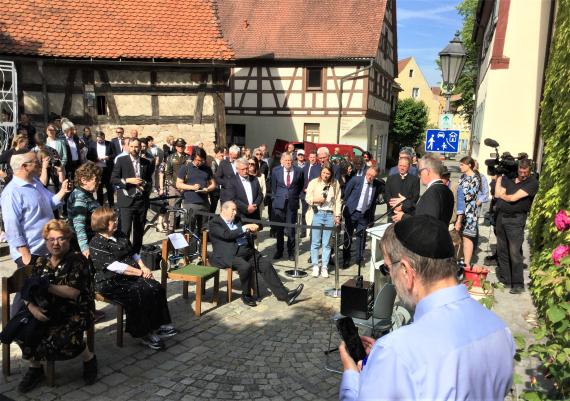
[[454, 350], [26, 207]]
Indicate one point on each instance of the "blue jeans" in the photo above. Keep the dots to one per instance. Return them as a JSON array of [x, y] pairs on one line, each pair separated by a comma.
[[319, 236]]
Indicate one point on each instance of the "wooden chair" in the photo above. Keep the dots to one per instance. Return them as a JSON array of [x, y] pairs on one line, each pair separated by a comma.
[[11, 285], [120, 311], [229, 270], [190, 273]]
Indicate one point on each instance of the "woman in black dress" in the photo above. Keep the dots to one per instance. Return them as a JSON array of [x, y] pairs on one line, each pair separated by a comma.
[[120, 275], [69, 310]]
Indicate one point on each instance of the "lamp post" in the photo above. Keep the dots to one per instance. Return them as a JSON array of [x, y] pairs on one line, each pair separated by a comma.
[[452, 61]]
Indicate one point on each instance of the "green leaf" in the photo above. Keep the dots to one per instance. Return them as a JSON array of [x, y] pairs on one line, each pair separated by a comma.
[[555, 314], [531, 396]]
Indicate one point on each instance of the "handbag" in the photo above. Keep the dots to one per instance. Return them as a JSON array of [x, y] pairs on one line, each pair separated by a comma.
[[151, 255]]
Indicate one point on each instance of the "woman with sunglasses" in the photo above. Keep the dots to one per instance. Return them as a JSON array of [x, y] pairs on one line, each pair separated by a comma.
[[323, 196]]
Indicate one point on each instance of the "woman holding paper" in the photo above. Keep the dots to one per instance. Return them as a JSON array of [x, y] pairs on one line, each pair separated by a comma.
[[121, 276]]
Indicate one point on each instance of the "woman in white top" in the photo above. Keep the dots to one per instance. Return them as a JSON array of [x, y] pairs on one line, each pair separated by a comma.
[[323, 196], [253, 170]]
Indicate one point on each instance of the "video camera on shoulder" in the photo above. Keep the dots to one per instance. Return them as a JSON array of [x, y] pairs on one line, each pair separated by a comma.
[[503, 164]]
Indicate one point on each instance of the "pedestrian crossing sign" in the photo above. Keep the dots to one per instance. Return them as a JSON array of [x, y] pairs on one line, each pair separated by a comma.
[[445, 141]]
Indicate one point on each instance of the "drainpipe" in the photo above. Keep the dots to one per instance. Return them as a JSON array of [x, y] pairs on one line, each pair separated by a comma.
[[342, 79]]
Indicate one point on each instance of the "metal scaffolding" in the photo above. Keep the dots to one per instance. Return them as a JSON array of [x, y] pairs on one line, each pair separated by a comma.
[[8, 103]]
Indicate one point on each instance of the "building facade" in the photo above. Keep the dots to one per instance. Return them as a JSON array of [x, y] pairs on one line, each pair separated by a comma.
[[163, 74], [513, 38], [290, 73]]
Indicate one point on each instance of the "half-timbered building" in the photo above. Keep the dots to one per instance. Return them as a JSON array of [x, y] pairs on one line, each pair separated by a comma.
[[294, 60], [160, 66]]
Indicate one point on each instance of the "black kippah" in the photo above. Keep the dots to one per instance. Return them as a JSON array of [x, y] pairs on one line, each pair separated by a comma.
[[426, 236]]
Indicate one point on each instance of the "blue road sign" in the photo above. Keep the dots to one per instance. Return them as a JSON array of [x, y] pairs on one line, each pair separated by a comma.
[[442, 140]]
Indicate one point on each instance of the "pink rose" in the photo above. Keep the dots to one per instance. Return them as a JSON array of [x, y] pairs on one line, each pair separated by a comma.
[[562, 221], [559, 253]]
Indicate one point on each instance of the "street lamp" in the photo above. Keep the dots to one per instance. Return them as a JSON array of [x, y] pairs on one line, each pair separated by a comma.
[[452, 61]]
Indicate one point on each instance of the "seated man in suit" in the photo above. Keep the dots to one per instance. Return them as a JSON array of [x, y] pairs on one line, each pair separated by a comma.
[[402, 189], [232, 247], [360, 195], [101, 153], [437, 200], [132, 174], [286, 188], [245, 191]]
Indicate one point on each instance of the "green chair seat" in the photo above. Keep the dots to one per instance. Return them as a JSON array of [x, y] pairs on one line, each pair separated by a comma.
[[196, 270]]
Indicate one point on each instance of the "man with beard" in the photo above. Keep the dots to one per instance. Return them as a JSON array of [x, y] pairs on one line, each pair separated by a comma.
[[455, 349]]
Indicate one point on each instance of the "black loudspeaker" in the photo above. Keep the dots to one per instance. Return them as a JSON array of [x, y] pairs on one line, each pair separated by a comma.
[[150, 255], [357, 300]]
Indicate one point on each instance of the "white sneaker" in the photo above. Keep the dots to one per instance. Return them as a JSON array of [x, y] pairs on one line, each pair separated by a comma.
[[324, 272], [315, 271]]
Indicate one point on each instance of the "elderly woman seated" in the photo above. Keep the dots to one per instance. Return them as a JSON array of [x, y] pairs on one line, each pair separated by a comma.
[[121, 276], [66, 309]]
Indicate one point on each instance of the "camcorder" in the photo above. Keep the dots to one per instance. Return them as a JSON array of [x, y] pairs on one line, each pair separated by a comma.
[[54, 162], [503, 164]]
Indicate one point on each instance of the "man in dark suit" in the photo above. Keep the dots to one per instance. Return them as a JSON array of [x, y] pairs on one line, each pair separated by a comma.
[[360, 195], [214, 166], [324, 157], [286, 187], [132, 175], [232, 247], [437, 200], [226, 172], [117, 142], [402, 188], [413, 170], [101, 153], [245, 192], [73, 148]]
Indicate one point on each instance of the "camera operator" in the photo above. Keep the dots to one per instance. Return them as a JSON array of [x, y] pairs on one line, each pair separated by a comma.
[[514, 199]]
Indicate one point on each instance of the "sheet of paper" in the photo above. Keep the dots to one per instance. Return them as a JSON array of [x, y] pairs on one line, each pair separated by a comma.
[[178, 241]]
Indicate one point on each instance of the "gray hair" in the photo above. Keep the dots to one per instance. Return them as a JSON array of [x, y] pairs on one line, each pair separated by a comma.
[[17, 160], [242, 161], [284, 155], [324, 150], [227, 204], [429, 270], [66, 125], [234, 149], [433, 164]]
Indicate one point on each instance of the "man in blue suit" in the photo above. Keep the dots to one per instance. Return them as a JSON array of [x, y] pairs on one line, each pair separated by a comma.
[[286, 188], [360, 195]]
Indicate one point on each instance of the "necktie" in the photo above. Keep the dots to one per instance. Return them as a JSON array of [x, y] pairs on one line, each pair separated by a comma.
[[366, 196], [288, 179]]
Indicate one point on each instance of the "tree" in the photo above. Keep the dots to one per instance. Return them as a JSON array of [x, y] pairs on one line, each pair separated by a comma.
[[409, 123], [466, 82]]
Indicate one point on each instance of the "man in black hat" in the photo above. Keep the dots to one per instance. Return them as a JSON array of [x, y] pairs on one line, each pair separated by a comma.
[[436, 201], [454, 349], [174, 163]]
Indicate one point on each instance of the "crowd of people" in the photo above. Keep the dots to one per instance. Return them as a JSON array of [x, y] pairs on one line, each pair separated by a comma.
[[103, 190]]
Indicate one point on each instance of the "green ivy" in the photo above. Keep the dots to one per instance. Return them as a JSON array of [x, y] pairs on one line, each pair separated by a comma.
[[551, 284]]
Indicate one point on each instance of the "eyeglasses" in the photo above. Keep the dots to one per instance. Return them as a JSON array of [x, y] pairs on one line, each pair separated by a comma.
[[58, 240], [258, 154], [251, 163], [385, 268]]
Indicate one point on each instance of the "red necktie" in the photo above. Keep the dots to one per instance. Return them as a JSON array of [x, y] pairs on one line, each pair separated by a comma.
[[288, 179]]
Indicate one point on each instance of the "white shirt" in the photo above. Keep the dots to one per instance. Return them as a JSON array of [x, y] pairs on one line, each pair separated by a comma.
[[248, 190], [361, 200], [73, 148], [101, 153], [136, 166], [233, 164]]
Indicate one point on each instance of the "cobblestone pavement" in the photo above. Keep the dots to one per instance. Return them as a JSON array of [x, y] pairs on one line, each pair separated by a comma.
[[271, 352]]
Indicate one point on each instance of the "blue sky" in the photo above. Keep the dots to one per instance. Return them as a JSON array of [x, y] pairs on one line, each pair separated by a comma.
[[425, 27]]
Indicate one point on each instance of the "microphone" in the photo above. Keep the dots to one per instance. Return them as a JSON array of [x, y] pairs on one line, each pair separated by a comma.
[[491, 142]]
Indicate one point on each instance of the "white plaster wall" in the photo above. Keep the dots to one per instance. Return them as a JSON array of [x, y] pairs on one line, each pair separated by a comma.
[[133, 105], [508, 100]]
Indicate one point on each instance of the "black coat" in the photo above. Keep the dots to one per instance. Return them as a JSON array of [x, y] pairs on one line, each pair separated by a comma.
[[223, 241], [117, 147], [409, 187], [437, 201], [236, 192], [124, 169], [92, 153], [224, 174]]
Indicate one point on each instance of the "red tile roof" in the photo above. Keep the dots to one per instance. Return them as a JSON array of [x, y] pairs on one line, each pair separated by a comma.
[[402, 64], [112, 29], [302, 29]]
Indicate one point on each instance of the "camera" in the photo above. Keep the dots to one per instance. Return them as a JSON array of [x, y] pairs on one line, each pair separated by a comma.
[[54, 163], [503, 164]]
